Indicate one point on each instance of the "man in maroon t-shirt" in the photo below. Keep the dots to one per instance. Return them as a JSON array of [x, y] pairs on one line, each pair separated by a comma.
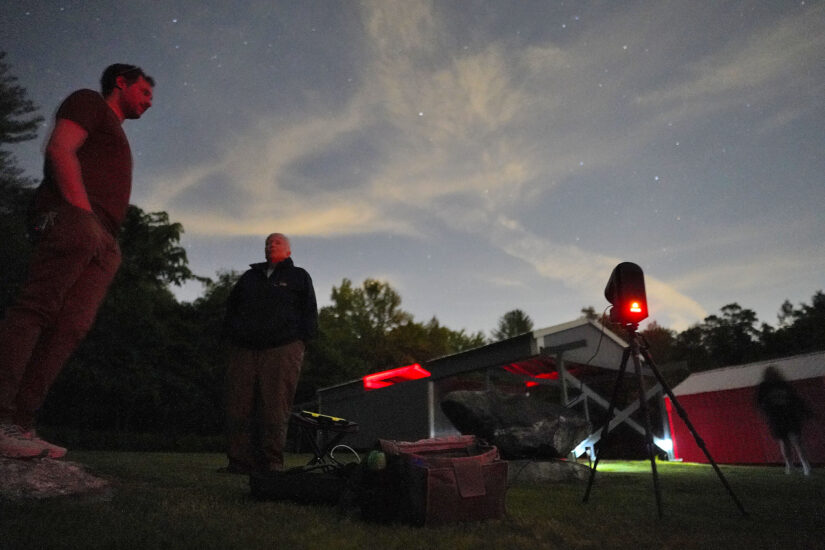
[[77, 213]]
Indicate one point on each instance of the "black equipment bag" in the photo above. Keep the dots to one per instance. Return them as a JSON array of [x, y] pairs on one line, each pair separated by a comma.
[[305, 485]]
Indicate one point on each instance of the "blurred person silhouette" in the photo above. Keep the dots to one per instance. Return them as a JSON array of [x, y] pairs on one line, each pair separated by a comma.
[[785, 412]]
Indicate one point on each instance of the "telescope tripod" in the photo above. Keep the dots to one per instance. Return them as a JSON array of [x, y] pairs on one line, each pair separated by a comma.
[[635, 349]]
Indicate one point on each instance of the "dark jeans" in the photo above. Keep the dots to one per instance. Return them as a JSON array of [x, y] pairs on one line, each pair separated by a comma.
[[70, 270], [260, 388]]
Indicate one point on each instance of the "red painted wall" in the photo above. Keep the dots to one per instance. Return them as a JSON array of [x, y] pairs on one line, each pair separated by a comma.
[[734, 430]]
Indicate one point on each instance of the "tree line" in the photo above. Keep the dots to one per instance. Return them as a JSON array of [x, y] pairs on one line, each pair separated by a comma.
[[154, 364]]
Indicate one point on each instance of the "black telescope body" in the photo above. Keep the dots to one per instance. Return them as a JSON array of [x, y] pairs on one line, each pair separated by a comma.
[[626, 292]]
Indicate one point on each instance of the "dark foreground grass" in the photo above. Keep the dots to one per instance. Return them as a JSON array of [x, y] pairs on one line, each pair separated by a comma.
[[165, 500]]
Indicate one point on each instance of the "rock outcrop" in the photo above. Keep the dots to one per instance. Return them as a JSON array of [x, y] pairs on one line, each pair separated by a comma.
[[44, 478], [520, 426]]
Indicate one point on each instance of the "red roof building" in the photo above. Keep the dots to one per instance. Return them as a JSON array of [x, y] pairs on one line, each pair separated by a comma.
[[721, 405]]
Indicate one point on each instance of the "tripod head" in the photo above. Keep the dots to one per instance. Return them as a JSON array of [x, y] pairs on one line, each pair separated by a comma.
[[631, 328]]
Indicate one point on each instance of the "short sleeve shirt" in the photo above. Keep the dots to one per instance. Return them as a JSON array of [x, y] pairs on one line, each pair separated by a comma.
[[105, 158]]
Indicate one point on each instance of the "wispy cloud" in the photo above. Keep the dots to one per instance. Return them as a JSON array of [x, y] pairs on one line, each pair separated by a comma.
[[469, 136], [765, 68]]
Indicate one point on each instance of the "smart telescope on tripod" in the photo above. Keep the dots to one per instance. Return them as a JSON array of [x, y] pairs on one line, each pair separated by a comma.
[[625, 291]]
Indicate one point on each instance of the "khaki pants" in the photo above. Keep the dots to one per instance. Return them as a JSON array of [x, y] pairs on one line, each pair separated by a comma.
[[260, 388], [70, 271]]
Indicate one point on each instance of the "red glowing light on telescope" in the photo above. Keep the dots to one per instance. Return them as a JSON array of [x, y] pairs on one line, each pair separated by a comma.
[[389, 377]]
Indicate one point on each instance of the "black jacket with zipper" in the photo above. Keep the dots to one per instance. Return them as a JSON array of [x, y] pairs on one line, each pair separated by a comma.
[[266, 312]]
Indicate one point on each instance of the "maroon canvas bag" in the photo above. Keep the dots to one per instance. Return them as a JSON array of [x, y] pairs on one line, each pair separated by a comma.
[[448, 479]]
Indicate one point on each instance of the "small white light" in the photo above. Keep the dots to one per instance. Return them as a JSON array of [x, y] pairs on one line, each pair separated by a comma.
[[664, 444]]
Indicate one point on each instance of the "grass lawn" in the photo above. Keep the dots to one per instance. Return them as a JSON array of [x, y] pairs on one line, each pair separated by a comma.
[[171, 501]]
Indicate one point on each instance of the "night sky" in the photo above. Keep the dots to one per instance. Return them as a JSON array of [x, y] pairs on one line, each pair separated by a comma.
[[478, 156]]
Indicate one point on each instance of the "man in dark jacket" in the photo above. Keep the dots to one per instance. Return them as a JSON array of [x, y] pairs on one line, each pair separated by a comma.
[[271, 314]]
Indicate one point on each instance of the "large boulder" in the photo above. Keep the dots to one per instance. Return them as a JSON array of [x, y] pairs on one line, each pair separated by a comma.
[[520, 426]]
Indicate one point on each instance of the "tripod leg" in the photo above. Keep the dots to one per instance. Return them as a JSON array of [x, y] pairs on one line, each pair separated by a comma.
[[648, 430], [606, 424], [699, 441]]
